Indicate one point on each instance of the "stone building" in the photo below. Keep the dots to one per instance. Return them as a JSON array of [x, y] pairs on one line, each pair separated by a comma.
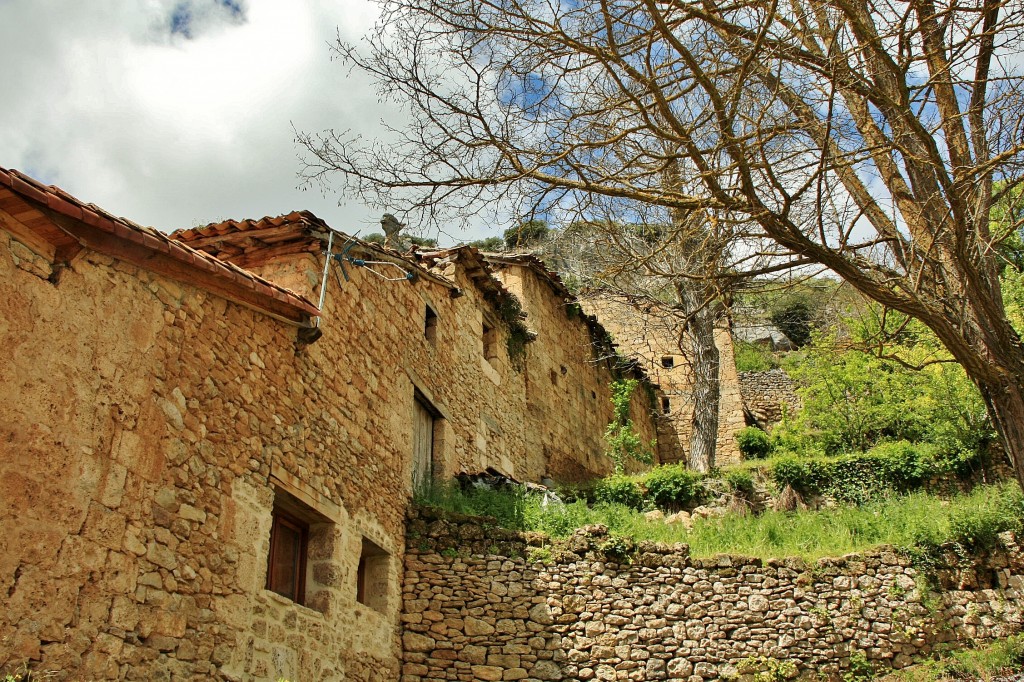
[[651, 334], [556, 382], [767, 396], [206, 474]]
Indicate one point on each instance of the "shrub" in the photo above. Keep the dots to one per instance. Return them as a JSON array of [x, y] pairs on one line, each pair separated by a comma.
[[741, 482], [529, 233], [673, 486], [790, 471], [753, 443], [619, 489], [796, 315], [976, 527], [899, 467], [505, 504], [902, 465], [751, 357], [622, 440], [854, 400]]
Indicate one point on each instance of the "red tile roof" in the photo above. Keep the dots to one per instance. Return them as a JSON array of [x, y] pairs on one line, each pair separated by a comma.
[[226, 227], [247, 243], [67, 222], [250, 243]]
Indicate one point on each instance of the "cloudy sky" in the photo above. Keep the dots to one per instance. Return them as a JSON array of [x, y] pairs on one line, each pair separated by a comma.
[[176, 113]]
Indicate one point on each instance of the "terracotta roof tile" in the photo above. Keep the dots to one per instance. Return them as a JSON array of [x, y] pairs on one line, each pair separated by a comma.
[[55, 199]]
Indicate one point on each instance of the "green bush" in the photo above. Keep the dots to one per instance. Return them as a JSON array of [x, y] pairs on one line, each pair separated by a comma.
[[854, 399], [891, 467], [790, 471], [750, 357], [619, 489], [753, 443], [505, 504], [902, 466], [976, 527], [526, 234], [741, 482], [797, 314], [673, 486]]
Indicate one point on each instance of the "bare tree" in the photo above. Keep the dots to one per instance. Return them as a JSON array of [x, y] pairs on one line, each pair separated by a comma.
[[865, 136], [664, 270]]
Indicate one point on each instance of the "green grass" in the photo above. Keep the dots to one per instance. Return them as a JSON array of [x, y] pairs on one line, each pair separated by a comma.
[[917, 519], [997, 659]]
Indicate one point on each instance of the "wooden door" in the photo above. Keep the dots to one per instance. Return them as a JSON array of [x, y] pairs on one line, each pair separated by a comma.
[[422, 445]]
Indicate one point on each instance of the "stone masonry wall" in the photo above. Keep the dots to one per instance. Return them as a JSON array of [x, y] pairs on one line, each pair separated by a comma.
[[653, 335], [767, 394], [557, 382], [148, 427], [476, 609]]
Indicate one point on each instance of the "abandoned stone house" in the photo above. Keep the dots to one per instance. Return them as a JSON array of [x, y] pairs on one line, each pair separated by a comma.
[[206, 474], [651, 333]]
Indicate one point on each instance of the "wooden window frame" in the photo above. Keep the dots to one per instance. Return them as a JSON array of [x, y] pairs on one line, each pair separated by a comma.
[[281, 518]]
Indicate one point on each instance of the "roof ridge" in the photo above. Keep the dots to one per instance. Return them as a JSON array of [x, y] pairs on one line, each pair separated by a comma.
[[125, 231]]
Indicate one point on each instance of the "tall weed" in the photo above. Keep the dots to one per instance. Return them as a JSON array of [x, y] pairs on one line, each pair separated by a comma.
[[911, 520]]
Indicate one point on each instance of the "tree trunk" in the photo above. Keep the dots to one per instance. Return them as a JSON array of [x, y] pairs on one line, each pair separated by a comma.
[[698, 344], [1005, 403]]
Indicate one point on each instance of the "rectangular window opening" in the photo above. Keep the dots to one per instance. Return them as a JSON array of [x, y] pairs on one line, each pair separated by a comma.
[[668, 362], [490, 342], [289, 571], [430, 325], [666, 405], [425, 420], [372, 576], [286, 572]]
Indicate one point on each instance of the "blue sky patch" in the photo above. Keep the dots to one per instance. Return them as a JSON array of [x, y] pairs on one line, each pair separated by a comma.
[[189, 18]]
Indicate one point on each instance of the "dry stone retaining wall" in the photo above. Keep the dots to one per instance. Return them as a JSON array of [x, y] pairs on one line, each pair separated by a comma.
[[470, 615]]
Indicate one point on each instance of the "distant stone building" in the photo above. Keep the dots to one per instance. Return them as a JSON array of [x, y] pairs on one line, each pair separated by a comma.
[[206, 474], [652, 335], [768, 396]]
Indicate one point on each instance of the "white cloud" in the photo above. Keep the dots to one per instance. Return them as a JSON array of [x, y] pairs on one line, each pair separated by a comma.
[[183, 127]]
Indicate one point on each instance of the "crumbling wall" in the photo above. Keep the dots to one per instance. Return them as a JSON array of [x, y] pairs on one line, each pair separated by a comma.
[[568, 372], [480, 604], [652, 335], [768, 395]]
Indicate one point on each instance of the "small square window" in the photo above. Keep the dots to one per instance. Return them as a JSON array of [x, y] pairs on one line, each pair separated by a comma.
[[372, 576], [668, 362], [430, 325], [666, 405]]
